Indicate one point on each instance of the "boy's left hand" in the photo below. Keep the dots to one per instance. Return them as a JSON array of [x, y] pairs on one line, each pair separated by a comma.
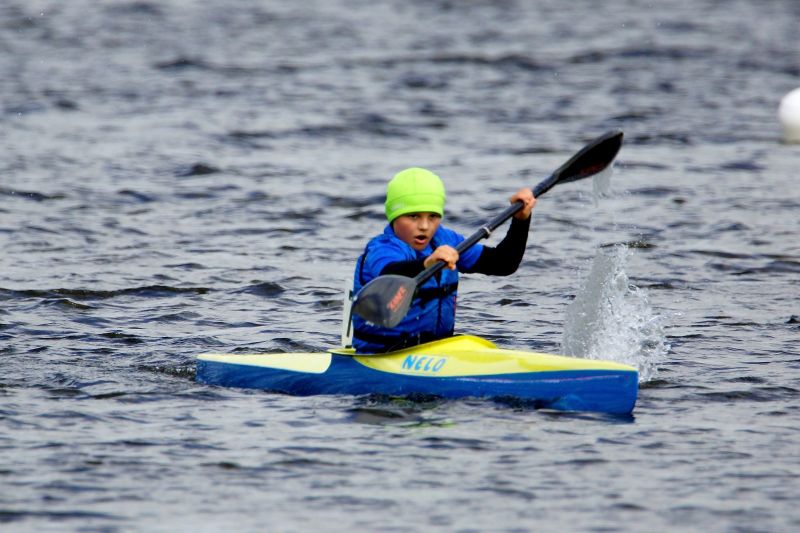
[[526, 196]]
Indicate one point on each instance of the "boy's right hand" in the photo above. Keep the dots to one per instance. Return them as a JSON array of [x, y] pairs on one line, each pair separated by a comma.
[[444, 253]]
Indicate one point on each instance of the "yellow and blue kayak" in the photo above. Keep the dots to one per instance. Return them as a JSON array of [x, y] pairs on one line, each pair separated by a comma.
[[455, 367]]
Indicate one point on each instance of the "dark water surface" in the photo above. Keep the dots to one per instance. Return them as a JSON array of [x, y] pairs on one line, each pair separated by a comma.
[[185, 176]]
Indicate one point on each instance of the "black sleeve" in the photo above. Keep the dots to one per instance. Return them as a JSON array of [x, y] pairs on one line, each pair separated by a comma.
[[504, 259], [404, 268]]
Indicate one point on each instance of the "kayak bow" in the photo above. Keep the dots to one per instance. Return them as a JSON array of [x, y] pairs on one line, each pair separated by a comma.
[[455, 367]]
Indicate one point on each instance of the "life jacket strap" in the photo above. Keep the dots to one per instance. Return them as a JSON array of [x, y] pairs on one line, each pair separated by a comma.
[[434, 293]]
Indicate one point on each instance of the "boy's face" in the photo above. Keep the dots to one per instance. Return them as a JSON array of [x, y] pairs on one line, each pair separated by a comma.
[[416, 229]]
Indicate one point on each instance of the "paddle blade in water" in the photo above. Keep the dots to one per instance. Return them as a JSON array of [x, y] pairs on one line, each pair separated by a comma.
[[385, 300]]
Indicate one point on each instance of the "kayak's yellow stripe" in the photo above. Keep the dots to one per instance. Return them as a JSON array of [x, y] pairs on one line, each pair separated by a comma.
[[455, 356], [472, 356], [484, 362], [315, 363]]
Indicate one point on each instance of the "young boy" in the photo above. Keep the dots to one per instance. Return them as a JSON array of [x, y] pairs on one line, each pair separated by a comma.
[[415, 240]]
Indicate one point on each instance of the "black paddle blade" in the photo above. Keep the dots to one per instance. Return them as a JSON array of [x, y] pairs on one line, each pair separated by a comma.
[[385, 300], [591, 159]]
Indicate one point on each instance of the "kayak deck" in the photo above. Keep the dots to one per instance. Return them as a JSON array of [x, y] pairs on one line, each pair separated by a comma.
[[455, 367]]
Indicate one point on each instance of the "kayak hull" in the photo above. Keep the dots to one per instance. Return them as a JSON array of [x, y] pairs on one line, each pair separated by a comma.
[[458, 367]]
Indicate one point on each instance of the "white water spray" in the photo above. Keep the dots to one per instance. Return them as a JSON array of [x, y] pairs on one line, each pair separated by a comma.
[[612, 319], [601, 183]]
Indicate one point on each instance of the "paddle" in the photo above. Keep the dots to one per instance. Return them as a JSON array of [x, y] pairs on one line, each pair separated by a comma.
[[386, 299]]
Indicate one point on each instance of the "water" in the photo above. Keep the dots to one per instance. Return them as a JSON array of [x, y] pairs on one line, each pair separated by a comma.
[[183, 176]]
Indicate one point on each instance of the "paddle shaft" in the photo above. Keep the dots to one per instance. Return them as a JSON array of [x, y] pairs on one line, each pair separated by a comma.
[[486, 230]]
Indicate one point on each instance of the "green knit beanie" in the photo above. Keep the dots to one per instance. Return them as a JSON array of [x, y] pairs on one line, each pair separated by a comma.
[[414, 190]]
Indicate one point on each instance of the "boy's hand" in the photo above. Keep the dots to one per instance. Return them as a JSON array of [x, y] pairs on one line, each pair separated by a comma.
[[444, 253], [526, 195]]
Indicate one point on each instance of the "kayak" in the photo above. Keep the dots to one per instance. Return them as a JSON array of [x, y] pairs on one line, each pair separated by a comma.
[[455, 367]]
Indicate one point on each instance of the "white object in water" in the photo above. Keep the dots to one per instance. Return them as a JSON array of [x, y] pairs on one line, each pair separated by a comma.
[[789, 114]]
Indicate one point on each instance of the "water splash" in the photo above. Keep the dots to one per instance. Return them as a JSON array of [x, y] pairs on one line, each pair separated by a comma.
[[612, 319], [601, 183]]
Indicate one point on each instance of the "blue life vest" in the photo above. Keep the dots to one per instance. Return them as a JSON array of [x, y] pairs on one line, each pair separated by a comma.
[[433, 311]]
